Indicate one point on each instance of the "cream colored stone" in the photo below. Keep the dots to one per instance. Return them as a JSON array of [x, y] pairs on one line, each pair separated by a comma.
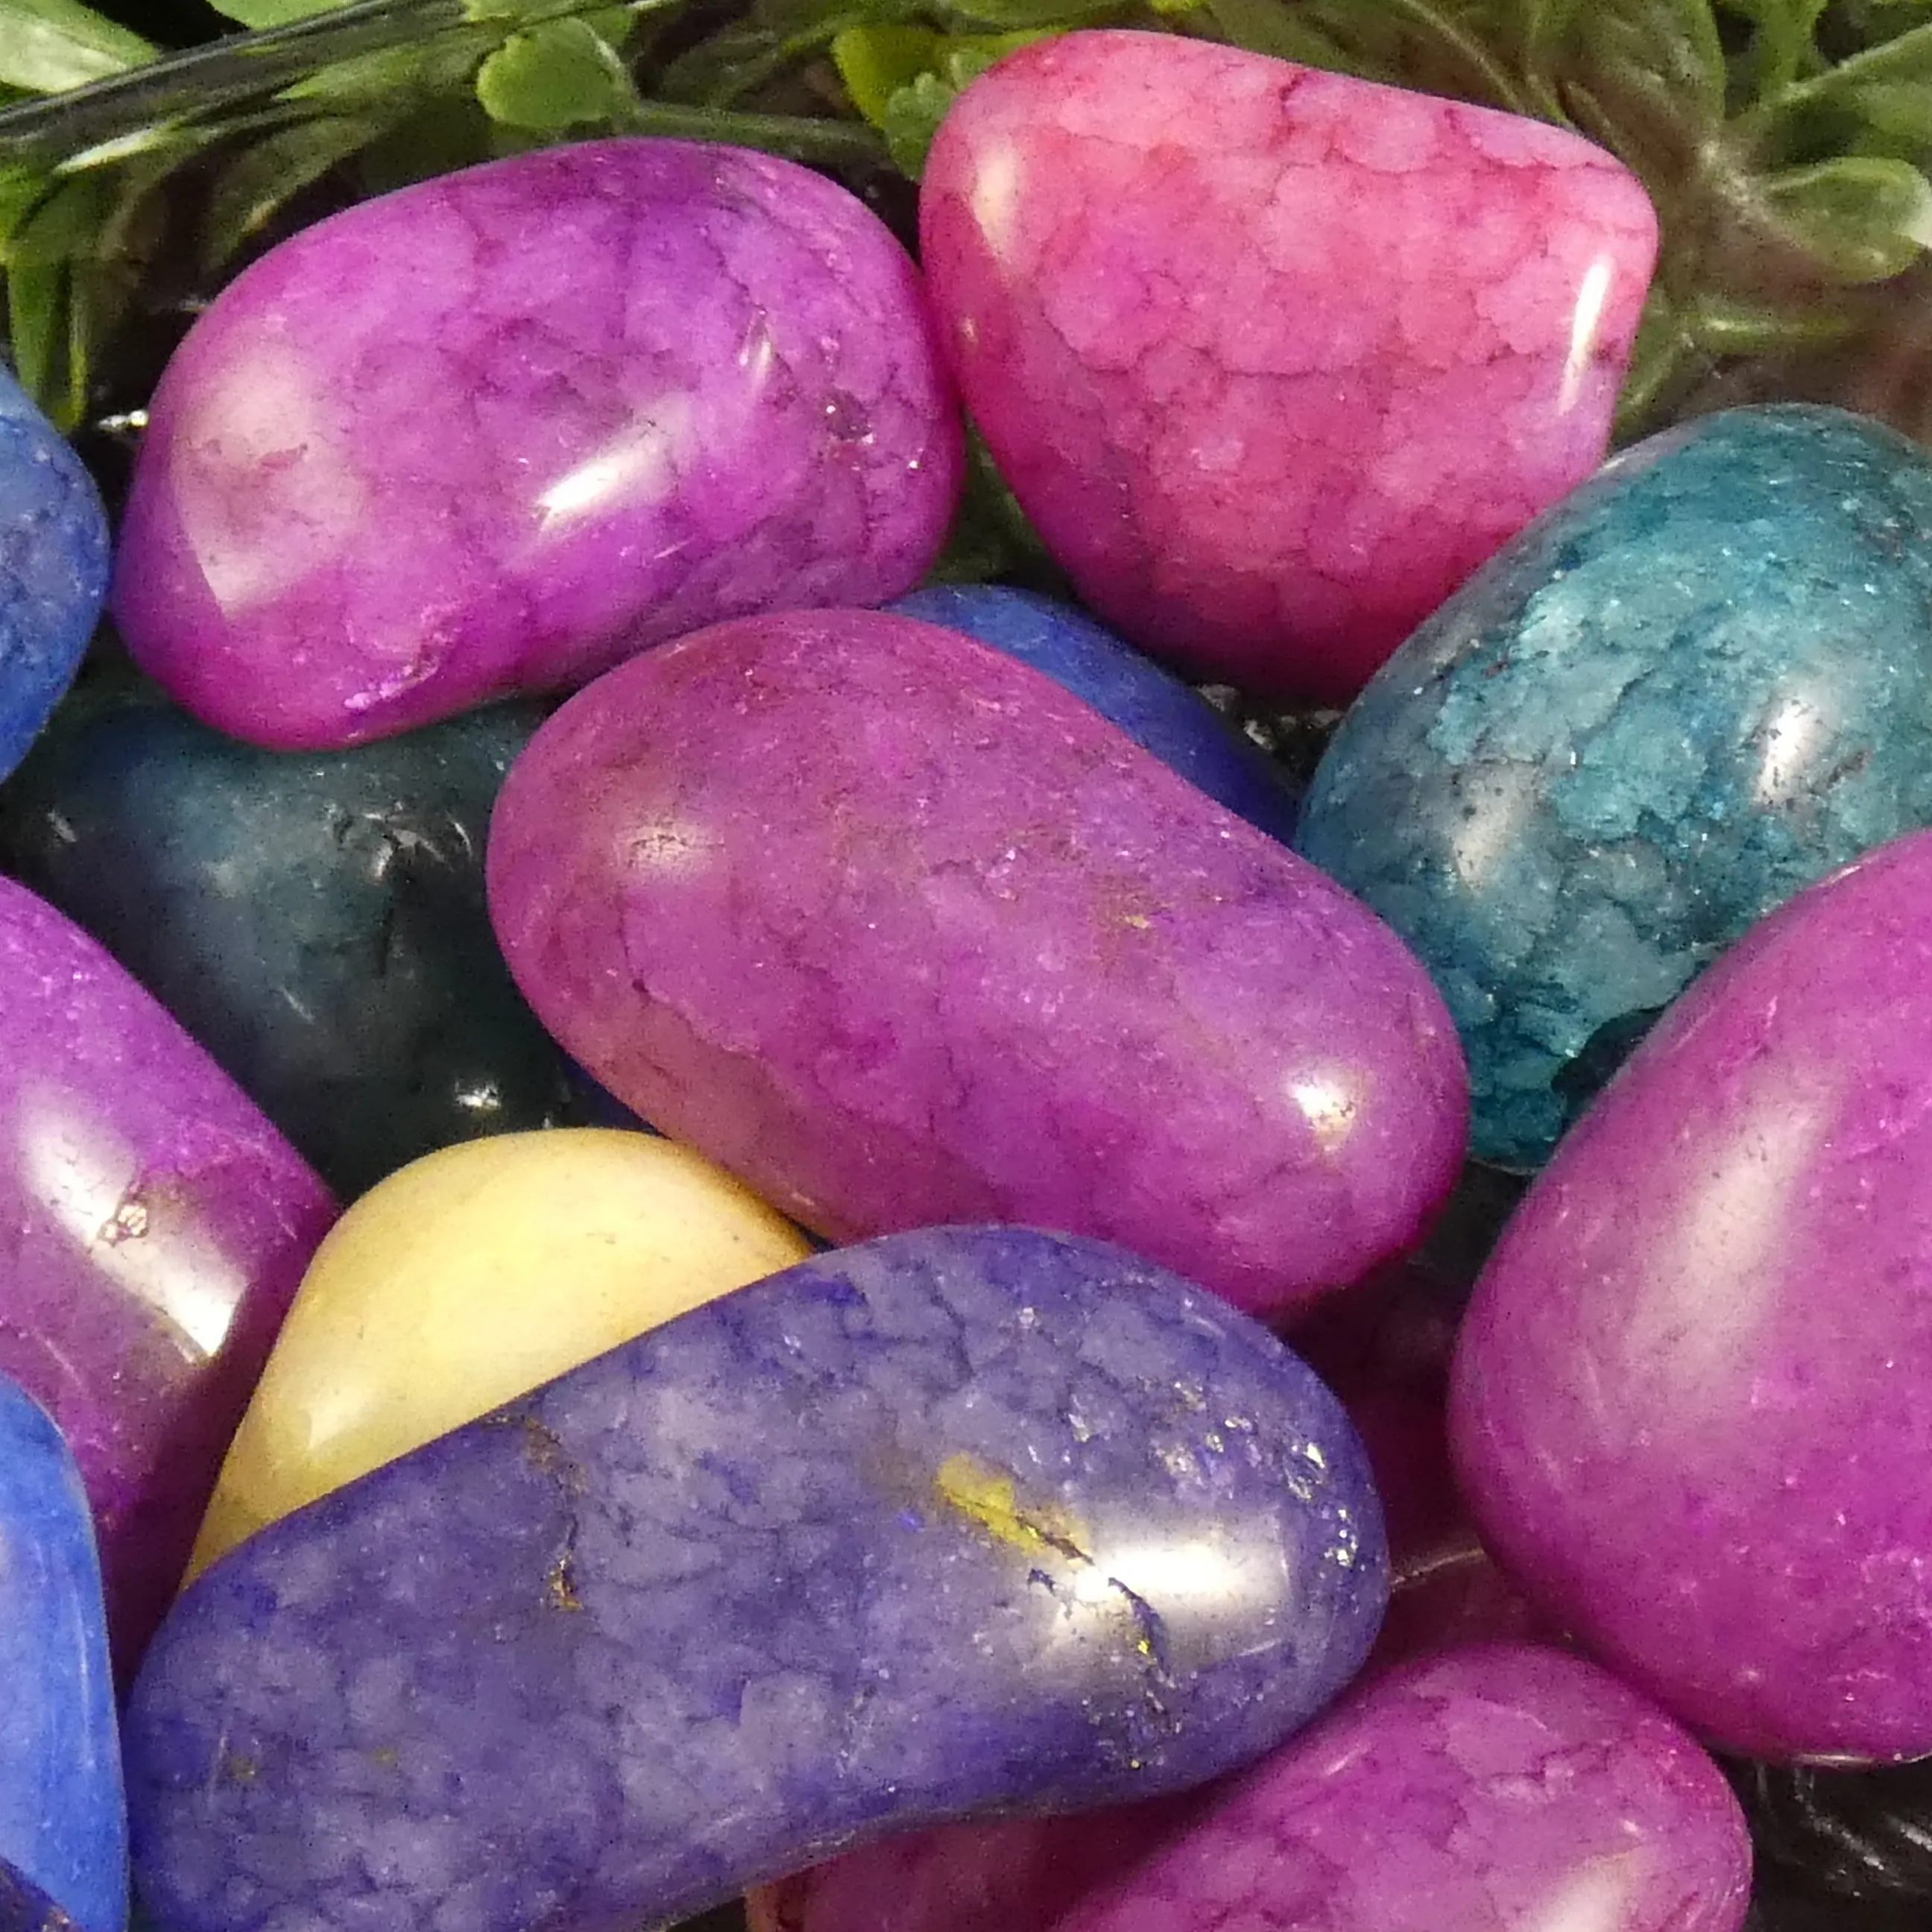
[[469, 1276]]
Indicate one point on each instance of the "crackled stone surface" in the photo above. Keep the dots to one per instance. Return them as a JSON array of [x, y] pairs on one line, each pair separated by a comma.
[[670, 383], [1692, 1399], [1700, 684], [1496, 1788], [155, 1227], [1273, 357], [894, 928], [316, 923], [62, 1824], [471, 1276], [53, 568], [1153, 708], [961, 1520]]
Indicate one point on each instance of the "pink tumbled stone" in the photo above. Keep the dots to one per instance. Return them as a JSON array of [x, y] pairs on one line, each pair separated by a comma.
[[495, 432], [1500, 1788], [896, 927], [155, 1228], [1273, 357], [1692, 1402]]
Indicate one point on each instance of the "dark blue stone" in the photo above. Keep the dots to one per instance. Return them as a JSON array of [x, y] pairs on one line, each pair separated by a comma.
[[1699, 683], [317, 920], [62, 1826], [53, 568], [1154, 709], [24, 1907], [958, 1522]]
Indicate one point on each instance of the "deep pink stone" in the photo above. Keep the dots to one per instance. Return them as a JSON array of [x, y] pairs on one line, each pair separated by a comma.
[[895, 926], [155, 1227], [496, 431], [1273, 357], [1692, 1403], [1489, 1789]]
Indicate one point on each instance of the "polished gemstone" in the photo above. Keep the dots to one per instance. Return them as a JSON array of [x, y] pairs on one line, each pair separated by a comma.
[[156, 1227], [317, 922], [62, 1823], [1272, 358], [961, 1521], [24, 1907], [53, 568], [468, 1278], [1499, 1788], [1692, 1399], [667, 383], [896, 928], [1152, 707], [1701, 682]]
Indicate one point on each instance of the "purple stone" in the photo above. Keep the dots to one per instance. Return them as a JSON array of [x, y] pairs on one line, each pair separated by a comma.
[[1502, 1788], [156, 1227], [963, 1520], [24, 1907], [902, 932], [1692, 1401], [493, 432]]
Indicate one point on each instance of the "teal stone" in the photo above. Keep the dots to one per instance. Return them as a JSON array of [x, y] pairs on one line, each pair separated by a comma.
[[1697, 684]]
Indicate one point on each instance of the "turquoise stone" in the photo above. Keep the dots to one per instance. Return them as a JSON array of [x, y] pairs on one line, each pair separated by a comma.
[[63, 1825], [1700, 683]]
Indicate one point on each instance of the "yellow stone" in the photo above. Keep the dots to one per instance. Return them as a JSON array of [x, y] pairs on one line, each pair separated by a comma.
[[467, 1278]]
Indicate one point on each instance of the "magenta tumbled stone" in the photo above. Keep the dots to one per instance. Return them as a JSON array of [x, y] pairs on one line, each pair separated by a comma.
[[1273, 358], [1692, 1401], [895, 926], [1501, 1788], [493, 432], [155, 1228]]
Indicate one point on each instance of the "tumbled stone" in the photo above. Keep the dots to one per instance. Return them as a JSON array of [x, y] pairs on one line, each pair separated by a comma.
[[1273, 358], [1701, 683], [671, 382], [53, 568], [24, 1907], [896, 928], [1692, 1399], [1155, 710], [468, 1278], [1494, 1789], [157, 1226], [962, 1520], [62, 1823], [316, 923]]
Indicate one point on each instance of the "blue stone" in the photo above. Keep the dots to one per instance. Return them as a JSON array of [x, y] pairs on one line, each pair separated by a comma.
[[1154, 709], [62, 1826], [53, 568], [316, 920], [957, 1521], [1697, 684], [24, 1907]]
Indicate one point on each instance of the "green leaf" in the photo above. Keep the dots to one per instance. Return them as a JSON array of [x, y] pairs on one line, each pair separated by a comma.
[[36, 316], [875, 61], [561, 74], [273, 12], [254, 187], [1861, 218], [47, 46]]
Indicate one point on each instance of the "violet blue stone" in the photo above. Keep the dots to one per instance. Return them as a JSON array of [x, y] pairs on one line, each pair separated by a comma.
[[964, 1520], [1691, 1404], [156, 1227], [493, 432], [1272, 358], [24, 1907], [1498, 1788], [53, 568], [1151, 706], [902, 933], [62, 1823]]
